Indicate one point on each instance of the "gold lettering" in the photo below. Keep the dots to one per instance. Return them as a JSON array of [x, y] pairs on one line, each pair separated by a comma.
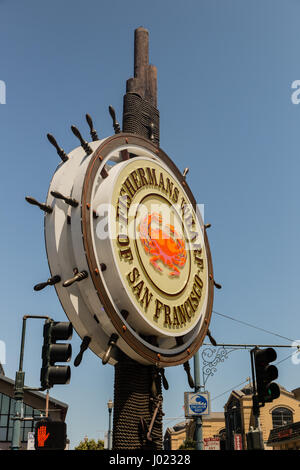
[[175, 317], [167, 315], [188, 308], [126, 254], [194, 299], [169, 187], [141, 172], [129, 187], [175, 195], [181, 312], [123, 239], [133, 275], [159, 306], [134, 176], [151, 176], [198, 259], [198, 284], [137, 289], [147, 297], [124, 199], [161, 182]]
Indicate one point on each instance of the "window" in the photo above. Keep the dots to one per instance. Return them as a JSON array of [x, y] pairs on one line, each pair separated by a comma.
[[281, 416], [7, 411]]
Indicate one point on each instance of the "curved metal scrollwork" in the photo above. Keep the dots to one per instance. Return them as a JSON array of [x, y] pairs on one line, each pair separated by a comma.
[[211, 357]]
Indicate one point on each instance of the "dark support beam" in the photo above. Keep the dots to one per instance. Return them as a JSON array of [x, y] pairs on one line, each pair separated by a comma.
[[144, 82], [140, 113], [138, 387]]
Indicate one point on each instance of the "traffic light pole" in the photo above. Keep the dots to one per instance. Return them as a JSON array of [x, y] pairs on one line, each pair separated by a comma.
[[19, 389], [255, 408]]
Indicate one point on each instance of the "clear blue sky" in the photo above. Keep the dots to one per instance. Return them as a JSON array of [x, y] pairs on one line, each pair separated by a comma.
[[225, 70]]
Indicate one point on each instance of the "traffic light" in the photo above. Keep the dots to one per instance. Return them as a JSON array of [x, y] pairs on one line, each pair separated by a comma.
[[50, 435], [53, 352], [267, 390]]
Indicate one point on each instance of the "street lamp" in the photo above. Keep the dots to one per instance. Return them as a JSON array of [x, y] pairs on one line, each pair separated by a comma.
[[110, 406]]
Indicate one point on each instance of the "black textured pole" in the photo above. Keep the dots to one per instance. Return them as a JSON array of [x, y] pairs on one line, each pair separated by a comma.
[[138, 387], [140, 114]]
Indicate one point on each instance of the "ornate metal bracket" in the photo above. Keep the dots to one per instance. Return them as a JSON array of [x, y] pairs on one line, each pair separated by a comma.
[[211, 357]]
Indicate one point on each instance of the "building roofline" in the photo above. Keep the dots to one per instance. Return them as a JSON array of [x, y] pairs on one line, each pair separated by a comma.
[[239, 394], [30, 395]]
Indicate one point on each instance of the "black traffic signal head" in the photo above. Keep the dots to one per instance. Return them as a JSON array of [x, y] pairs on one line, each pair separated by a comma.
[[267, 390], [52, 352], [50, 435]]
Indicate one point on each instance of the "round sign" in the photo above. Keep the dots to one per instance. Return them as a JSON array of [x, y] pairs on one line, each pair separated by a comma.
[[198, 404], [136, 244]]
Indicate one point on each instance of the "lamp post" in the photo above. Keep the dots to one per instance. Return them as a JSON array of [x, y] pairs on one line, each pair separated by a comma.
[[110, 406]]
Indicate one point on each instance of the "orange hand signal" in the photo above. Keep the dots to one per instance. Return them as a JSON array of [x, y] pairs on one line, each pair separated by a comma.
[[42, 436]]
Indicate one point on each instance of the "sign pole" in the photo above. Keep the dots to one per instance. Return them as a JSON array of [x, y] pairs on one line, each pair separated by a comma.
[[198, 419], [18, 395], [138, 387]]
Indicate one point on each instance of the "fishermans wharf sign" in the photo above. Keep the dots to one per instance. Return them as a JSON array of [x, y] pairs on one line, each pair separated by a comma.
[[157, 246], [136, 241]]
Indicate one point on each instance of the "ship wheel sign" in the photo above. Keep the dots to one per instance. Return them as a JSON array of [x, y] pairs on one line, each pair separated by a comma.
[[128, 251]]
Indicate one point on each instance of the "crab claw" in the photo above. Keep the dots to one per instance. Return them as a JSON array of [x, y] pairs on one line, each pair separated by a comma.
[[154, 263], [175, 273]]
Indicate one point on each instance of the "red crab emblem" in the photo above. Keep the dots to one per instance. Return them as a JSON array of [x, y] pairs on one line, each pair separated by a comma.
[[164, 245]]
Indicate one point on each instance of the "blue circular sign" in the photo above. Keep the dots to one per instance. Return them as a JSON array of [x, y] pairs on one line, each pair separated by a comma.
[[198, 404]]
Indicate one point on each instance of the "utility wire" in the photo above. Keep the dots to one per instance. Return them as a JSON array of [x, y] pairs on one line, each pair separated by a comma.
[[252, 326], [242, 383], [288, 357], [230, 389]]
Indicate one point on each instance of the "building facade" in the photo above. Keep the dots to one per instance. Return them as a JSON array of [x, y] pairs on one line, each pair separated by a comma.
[[212, 426], [34, 407], [239, 418], [286, 437], [279, 423]]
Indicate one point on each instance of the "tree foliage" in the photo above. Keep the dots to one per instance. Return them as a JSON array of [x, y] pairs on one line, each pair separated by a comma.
[[188, 444], [90, 444]]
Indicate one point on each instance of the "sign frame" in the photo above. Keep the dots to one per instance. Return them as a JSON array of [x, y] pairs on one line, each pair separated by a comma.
[[69, 233]]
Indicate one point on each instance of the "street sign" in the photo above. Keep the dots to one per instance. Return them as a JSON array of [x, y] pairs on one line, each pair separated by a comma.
[[196, 404], [211, 443], [50, 435], [238, 442], [30, 441]]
